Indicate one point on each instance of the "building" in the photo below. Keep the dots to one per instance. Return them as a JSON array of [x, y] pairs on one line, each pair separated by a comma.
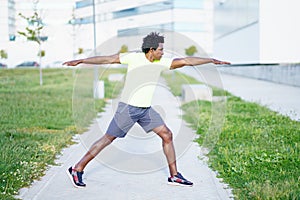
[[7, 20], [257, 31], [55, 16], [126, 18], [7, 24]]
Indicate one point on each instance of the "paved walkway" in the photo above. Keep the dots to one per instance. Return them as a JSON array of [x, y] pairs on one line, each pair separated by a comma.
[[281, 98], [134, 167]]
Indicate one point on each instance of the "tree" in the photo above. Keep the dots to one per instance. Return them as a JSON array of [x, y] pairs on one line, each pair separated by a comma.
[[41, 53], [191, 50], [80, 50], [3, 54], [33, 29], [124, 49], [33, 33]]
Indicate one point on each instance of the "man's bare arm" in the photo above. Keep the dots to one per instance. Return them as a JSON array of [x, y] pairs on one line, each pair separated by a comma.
[[192, 61], [113, 59]]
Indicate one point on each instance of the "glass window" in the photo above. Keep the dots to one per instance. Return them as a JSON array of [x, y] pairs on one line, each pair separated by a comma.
[[84, 3], [143, 9], [125, 13], [84, 20], [233, 15]]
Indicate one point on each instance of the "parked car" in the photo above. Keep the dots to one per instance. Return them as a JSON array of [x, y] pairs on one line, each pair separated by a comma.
[[28, 64], [2, 65]]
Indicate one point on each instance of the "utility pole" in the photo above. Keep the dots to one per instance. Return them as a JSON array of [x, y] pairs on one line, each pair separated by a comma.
[[35, 3], [96, 70]]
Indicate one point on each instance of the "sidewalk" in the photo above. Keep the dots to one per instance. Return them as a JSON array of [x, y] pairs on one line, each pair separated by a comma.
[[281, 98], [143, 174]]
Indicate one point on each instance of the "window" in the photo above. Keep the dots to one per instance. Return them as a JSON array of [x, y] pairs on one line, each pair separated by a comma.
[[125, 13], [143, 9], [84, 3]]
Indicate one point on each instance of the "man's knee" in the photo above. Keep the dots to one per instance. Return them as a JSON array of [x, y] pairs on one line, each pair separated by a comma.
[[109, 138], [166, 135]]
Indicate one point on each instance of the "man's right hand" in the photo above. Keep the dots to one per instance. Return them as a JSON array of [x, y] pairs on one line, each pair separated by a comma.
[[73, 62]]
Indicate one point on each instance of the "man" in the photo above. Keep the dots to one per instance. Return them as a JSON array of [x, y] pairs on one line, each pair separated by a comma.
[[144, 69]]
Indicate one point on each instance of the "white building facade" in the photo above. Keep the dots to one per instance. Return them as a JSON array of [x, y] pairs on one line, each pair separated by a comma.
[[257, 31], [7, 20], [125, 18], [7, 24], [55, 15]]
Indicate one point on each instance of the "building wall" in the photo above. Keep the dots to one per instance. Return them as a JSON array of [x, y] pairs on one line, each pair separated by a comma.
[[240, 46], [7, 20], [279, 31], [287, 74], [124, 18], [55, 15], [257, 31], [233, 15], [7, 26], [236, 36]]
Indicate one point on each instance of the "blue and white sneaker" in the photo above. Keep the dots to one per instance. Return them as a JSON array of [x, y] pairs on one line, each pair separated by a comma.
[[76, 178], [179, 180]]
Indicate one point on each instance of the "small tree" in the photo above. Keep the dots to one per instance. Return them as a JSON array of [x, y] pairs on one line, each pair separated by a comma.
[[124, 49], [191, 50], [41, 53], [33, 33], [3, 54], [80, 51]]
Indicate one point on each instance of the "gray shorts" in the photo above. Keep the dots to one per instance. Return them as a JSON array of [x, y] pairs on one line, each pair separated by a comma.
[[126, 116]]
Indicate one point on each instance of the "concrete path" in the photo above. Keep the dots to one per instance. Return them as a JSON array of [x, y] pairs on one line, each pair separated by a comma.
[[281, 98], [134, 167]]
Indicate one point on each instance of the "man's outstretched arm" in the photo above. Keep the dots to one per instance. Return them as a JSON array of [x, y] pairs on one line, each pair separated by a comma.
[[192, 61], [113, 59]]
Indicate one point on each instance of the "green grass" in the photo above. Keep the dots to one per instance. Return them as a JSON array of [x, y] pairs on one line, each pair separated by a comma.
[[176, 80], [257, 152], [36, 122]]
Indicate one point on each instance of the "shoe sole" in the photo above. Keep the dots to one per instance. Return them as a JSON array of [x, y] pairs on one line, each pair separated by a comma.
[[71, 179], [179, 184]]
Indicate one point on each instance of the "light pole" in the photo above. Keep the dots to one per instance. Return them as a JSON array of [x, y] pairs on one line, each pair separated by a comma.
[[35, 3], [96, 70]]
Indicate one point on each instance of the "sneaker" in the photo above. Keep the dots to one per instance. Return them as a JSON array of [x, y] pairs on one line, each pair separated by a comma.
[[76, 177], [179, 180]]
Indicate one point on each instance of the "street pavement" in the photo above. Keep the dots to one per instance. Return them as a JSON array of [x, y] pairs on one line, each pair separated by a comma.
[[133, 168]]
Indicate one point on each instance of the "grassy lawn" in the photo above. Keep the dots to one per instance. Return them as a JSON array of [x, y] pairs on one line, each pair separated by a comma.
[[258, 150], [36, 122]]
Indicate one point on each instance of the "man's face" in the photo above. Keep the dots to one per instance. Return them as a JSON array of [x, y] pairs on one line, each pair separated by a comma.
[[159, 52]]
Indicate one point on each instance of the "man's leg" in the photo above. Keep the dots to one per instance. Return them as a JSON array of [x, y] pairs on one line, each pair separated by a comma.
[[176, 178], [168, 147], [76, 173], [94, 150]]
